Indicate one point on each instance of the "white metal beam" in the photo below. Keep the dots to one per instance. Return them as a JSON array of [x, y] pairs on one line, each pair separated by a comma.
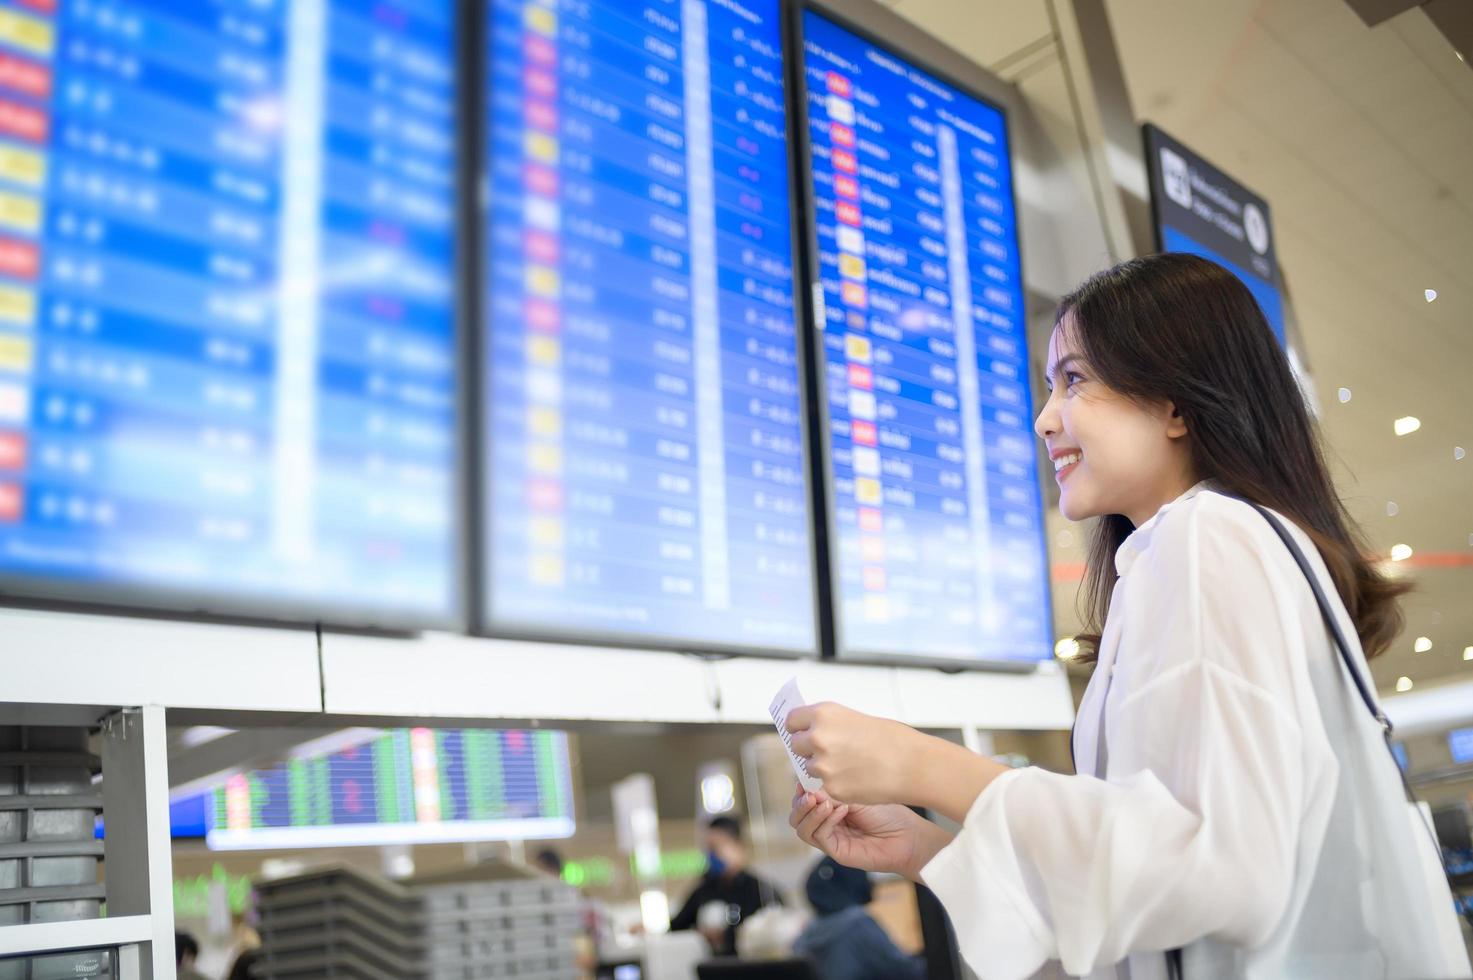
[[135, 803], [51, 937]]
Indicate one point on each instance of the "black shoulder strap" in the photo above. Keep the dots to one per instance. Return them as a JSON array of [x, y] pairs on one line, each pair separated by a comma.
[[1327, 611]]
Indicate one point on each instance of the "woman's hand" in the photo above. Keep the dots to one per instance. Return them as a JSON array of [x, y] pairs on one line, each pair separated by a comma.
[[882, 837], [860, 758]]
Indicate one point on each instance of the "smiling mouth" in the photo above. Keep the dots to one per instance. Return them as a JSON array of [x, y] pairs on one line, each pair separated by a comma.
[[1064, 465]]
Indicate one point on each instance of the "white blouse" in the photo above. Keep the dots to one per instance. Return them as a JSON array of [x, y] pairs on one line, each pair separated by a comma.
[[1246, 807]]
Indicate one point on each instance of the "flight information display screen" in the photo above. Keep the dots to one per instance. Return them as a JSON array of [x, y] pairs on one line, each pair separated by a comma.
[[937, 545], [645, 471], [405, 785], [226, 306]]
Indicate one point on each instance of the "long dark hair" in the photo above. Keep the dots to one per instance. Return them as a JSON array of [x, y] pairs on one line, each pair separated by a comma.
[[1179, 328]]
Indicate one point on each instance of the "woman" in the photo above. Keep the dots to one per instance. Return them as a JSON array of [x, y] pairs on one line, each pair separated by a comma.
[[1235, 800]]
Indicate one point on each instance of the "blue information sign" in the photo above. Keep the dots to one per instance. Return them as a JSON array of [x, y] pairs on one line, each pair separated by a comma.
[[1200, 210]]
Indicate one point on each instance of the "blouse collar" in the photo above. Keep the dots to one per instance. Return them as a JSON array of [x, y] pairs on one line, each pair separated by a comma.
[[1140, 539]]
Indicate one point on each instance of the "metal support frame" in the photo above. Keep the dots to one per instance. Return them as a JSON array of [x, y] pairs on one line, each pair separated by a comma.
[[1106, 122], [135, 802], [139, 864]]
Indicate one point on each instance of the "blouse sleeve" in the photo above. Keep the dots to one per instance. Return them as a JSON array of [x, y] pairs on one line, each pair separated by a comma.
[[1193, 832]]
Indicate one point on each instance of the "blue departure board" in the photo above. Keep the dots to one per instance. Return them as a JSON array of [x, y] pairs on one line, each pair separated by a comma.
[[226, 305], [645, 476], [405, 785], [937, 545]]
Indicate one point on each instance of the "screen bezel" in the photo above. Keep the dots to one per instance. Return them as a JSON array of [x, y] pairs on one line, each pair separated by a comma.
[[484, 621], [952, 69]]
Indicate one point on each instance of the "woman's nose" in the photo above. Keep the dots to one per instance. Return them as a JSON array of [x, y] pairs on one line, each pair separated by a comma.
[[1047, 423]]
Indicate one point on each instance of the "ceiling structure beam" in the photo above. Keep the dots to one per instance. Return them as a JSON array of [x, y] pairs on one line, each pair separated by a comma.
[[1454, 18]]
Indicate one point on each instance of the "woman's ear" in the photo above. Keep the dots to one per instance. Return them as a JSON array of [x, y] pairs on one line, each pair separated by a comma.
[[1176, 426]]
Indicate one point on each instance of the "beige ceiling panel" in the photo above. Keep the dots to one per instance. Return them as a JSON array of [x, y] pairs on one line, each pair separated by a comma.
[[984, 30]]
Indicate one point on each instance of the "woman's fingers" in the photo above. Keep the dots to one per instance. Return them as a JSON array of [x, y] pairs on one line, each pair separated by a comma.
[[824, 835], [813, 820], [802, 806]]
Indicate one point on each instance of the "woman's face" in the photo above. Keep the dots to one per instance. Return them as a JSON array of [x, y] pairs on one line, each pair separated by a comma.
[[1111, 455]]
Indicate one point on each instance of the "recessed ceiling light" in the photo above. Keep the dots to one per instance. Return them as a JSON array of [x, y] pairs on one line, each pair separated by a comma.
[[1431, 294], [1406, 425], [1422, 645], [1403, 684], [1344, 395], [1401, 552], [1458, 452], [1067, 648], [1468, 653], [1391, 509]]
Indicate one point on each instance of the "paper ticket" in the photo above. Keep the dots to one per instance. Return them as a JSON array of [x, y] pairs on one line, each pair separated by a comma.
[[787, 699]]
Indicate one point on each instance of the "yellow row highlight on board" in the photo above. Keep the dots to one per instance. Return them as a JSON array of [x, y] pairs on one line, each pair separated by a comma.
[[546, 423], [15, 354], [540, 19], [17, 307], [20, 212], [33, 36], [22, 166]]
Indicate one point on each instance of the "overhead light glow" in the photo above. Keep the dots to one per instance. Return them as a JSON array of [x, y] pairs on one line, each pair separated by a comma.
[[1391, 509], [1401, 552], [1344, 395], [1406, 425], [1468, 653], [1458, 452], [1431, 294], [718, 795], [1067, 648], [1422, 645], [1403, 684]]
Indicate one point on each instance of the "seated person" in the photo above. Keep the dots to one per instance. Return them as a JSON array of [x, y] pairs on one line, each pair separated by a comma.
[[842, 940], [186, 951], [726, 882]]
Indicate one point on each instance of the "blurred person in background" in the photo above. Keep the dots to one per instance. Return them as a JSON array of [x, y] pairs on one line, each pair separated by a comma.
[[186, 951], [244, 943], [843, 940], [549, 861], [726, 888], [244, 963]]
